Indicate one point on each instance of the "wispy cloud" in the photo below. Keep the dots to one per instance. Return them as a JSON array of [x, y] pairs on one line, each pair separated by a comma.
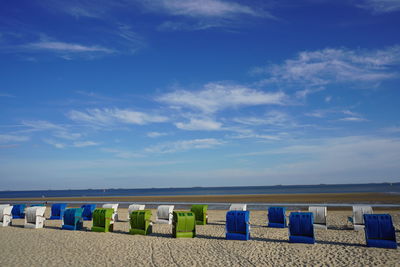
[[54, 143], [156, 134], [218, 96], [274, 117], [85, 144], [338, 114], [202, 124], [184, 145], [56, 46], [380, 6], [124, 154], [7, 138], [6, 95], [59, 131], [104, 117]]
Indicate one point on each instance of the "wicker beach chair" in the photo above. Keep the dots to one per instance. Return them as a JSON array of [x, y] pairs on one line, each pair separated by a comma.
[[34, 217], [72, 219], [5, 215], [200, 212], [379, 231], [237, 225], [319, 216], [184, 224], [140, 222], [277, 217], [18, 211], [57, 211], [114, 207], [134, 207], [164, 214], [358, 216], [240, 207], [301, 229], [87, 213], [103, 220]]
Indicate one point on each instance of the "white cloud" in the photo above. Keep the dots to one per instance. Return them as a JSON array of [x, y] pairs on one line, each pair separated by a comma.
[[7, 138], [350, 115], [66, 47], [199, 124], [55, 143], [380, 6], [275, 118], [104, 117], [314, 70], [85, 144], [156, 134], [219, 96], [352, 119], [59, 131], [184, 145], [122, 153]]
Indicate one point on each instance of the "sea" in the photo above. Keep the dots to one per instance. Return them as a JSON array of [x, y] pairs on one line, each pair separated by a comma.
[[389, 188]]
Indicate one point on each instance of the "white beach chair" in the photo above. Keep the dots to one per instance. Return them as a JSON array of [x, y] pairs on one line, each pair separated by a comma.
[[114, 207], [319, 215], [241, 207], [164, 214], [358, 216], [5, 215], [134, 207], [34, 217]]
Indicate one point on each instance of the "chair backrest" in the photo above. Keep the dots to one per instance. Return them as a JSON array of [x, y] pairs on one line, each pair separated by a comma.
[[140, 218], [32, 212], [200, 211], [5, 210], [111, 206], [164, 211], [101, 215], [319, 214], [379, 226], [277, 214], [72, 216], [184, 221], [133, 207], [240, 207], [237, 221], [18, 210], [57, 209], [301, 224], [358, 213], [4, 205], [88, 210]]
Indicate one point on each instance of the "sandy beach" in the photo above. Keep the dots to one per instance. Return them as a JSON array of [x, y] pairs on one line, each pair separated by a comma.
[[51, 246]]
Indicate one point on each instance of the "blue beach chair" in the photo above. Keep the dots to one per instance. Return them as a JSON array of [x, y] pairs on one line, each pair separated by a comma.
[[87, 213], [73, 219], [57, 211], [379, 231], [237, 225], [18, 211], [301, 229], [277, 217]]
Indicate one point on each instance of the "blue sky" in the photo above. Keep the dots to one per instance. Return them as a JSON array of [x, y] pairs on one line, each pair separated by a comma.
[[131, 94]]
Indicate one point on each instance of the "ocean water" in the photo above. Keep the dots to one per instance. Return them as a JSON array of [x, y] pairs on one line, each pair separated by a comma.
[[392, 188]]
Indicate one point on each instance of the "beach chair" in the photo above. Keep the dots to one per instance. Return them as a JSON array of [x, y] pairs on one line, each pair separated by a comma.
[[72, 219], [114, 207], [57, 211], [301, 229], [34, 217], [134, 207], [277, 217], [5, 215], [103, 220], [140, 221], [237, 225], [200, 211], [241, 207], [319, 216], [358, 216], [183, 224], [379, 231], [164, 214], [18, 211], [87, 213]]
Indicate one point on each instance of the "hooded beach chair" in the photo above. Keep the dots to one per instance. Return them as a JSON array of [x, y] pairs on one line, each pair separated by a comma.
[[87, 213], [379, 231], [301, 229], [34, 217], [237, 225], [140, 221], [277, 217], [183, 224], [358, 216], [134, 207], [319, 216], [114, 207], [164, 214], [5, 215], [200, 211], [18, 211], [57, 211], [72, 219], [241, 207], [103, 220]]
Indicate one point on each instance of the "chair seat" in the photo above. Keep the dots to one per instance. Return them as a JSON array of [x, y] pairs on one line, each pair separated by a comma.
[[237, 236], [276, 225], [379, 243]]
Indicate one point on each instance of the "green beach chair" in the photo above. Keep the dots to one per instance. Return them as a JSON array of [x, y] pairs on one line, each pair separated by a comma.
[[140, 222], [102, 220], [200, 211], [183, 224]]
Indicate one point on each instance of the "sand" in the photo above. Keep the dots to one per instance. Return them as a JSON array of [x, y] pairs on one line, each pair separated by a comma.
[[51, 246]]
